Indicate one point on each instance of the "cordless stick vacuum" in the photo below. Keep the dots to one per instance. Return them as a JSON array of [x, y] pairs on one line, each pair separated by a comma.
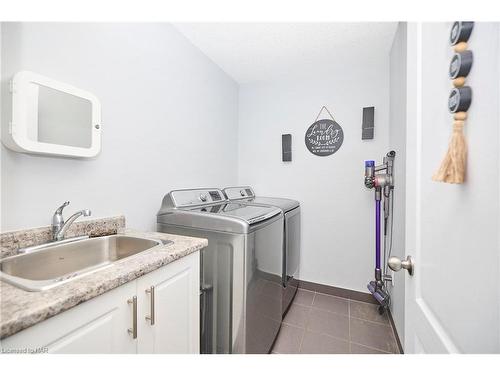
[[380, 178]]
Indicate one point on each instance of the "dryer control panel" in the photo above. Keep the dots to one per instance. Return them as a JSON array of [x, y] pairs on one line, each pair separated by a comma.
[[239, 192]]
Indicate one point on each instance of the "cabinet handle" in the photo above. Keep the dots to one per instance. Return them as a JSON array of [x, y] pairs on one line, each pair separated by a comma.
[[151, 317], [133, 330]]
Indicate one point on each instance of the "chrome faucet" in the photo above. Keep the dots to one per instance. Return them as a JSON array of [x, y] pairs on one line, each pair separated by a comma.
[[59, 226]]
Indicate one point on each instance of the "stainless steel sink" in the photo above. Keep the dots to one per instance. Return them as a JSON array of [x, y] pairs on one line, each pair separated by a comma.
[[60, 263]]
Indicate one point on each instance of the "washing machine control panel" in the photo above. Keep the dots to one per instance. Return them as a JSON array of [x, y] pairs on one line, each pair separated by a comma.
[[196, 197], [215, 195]]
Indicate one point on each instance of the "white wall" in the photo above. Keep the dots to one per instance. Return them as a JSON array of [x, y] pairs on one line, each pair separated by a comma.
[[337, 210], [169, 120], [460, 223], [397, 142]]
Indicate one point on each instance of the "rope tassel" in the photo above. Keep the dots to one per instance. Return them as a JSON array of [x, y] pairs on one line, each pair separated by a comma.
[[453, 166]]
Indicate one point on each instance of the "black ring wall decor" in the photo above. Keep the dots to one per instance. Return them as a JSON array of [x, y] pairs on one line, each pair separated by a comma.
[[453, 167], [460, 99], [460, 32], [460, 64]]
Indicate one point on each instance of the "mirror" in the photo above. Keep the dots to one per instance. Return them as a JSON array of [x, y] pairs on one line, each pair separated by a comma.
[[63, 118], [51, 117]]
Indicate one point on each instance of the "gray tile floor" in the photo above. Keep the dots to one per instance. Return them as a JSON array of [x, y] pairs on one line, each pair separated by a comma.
[[322, 324]]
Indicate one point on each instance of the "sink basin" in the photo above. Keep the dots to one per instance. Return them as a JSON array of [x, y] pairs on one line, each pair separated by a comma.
[[59, 263]]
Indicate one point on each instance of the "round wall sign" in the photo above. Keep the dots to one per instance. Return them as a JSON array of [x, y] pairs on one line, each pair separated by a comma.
[[324, 137]]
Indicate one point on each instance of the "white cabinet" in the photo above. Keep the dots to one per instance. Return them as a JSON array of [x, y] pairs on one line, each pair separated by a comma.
[[169, 318], [101, 325], [96, 326]]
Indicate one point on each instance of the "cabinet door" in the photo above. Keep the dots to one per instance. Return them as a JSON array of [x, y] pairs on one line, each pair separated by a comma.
[[176, 308], [96, 326]]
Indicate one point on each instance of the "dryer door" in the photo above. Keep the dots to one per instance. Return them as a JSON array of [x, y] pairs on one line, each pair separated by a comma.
[[263, 269], [292, 245], [291, 257]]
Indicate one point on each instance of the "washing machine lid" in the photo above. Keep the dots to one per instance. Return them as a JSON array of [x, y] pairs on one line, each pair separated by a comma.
[[283, 203], [247, 195], [209, 209], [249, 214]]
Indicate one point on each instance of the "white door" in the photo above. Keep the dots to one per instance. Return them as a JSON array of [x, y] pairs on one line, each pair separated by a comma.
[[168, 311], [452, 231]]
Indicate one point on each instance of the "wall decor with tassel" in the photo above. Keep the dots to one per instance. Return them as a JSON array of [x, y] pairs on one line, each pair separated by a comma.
[[453, 167]]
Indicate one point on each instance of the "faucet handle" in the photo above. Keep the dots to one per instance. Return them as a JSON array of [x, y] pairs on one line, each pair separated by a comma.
[[61, 208]]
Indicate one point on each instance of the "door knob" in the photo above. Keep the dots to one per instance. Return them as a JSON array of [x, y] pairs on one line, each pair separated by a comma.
[[396, 264]]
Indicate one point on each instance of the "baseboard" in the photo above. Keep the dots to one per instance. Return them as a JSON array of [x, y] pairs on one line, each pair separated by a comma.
[[338, 292], [393, 325]]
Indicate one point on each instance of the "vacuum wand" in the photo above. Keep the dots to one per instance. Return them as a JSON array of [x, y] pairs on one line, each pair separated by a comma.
[[378, 275], [382, 183], [374, 181]]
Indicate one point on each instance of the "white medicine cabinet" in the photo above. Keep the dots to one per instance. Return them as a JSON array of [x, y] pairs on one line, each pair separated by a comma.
[[52, 117]]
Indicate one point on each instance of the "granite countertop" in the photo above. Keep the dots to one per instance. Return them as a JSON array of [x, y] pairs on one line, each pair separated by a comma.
[[20, 309]]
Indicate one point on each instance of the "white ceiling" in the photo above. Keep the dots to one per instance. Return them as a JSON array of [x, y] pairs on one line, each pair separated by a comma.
[[251, 52]]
